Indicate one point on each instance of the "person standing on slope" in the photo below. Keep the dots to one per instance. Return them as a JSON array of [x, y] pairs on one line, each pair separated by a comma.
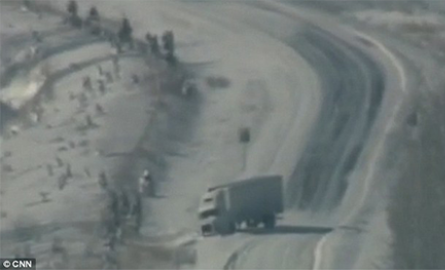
[[146, 184]]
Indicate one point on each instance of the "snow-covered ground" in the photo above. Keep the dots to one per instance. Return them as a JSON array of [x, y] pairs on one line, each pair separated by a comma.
[[283, 66]]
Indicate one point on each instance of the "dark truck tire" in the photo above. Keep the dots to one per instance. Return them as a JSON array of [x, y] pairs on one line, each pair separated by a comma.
[[226, 229], [269, 222], [206, 230], [252, 223], [231, 228]]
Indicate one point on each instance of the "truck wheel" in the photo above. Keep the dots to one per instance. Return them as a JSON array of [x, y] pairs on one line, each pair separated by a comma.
[[269, 222], [251, 223], [231, 228]]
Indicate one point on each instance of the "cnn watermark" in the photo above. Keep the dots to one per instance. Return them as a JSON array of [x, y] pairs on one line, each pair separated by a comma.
[[22, 263]]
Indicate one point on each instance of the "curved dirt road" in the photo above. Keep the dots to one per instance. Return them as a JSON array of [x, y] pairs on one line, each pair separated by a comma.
[[353, 85], [352, 93]]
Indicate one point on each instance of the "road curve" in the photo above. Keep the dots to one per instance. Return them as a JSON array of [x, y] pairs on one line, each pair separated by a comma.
[[353, 87]]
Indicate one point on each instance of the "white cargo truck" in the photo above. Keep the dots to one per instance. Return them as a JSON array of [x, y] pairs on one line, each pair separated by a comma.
[[252, 201]]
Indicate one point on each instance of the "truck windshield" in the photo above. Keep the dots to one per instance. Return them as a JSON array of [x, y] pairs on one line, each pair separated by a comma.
[[208, 213]]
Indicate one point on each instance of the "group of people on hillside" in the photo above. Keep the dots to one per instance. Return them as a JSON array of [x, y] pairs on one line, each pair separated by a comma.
[[163, 46], [145, 183]]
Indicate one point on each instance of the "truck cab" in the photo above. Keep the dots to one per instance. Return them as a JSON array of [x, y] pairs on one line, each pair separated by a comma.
[[211, 209], [250, 202]]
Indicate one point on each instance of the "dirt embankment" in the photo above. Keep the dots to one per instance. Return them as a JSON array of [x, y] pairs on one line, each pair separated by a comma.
[[119, 129]]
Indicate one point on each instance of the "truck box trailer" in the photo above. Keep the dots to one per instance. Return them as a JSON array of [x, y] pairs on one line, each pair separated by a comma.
[[252, 201]]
